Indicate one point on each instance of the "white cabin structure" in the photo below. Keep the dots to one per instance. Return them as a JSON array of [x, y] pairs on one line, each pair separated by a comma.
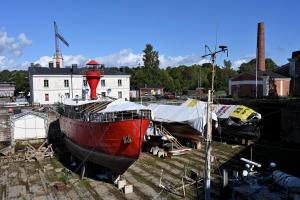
[[29, 125], [49, 85]]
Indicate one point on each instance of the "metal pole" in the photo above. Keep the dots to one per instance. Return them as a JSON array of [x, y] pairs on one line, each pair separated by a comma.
[[141, 97], [72, 83], [208, 147], [209, 121], [209, 131]]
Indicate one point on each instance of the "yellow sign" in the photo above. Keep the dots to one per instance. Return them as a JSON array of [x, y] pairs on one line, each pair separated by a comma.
[[192, 103], [242, 113]]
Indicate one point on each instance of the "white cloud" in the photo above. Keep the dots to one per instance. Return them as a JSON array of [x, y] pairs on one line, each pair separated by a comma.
[[236, 64], [181, 60], [125, 57], [24, 40], [11, 45], [6, 63], [80, 60], [43, 61], [68, 60]]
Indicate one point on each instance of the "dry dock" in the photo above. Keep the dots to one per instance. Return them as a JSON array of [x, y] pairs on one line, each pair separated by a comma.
[[48, 179]]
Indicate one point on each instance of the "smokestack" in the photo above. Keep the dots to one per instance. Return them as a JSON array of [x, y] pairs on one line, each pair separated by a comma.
[[260, 54]]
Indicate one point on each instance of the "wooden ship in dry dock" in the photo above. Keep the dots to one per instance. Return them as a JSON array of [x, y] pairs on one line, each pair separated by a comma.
[[101, 130], [188, 120]]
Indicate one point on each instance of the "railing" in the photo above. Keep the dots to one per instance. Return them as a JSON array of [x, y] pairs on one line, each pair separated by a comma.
[[109, 117]]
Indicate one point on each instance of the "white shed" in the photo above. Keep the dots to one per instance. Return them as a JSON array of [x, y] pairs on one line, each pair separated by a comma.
[[29, 125]]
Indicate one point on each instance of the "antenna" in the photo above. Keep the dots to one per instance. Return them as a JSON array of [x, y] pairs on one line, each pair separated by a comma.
[[212, 55]]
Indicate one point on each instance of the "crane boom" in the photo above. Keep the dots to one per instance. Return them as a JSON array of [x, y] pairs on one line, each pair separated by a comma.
[[57, 38]]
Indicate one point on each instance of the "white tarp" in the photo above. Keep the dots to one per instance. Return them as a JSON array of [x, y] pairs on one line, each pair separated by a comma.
[[122, 105], [192, 112]]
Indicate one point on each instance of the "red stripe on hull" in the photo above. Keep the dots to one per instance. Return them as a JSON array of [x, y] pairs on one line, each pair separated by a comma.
[[106, 137]]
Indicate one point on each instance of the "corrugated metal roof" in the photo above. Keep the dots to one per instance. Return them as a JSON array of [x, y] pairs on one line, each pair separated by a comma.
[[22, 114]]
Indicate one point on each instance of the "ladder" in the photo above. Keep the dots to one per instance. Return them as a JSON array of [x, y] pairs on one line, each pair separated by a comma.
[[170, 138]]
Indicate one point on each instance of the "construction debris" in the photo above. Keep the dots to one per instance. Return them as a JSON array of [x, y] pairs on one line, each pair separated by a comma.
[[189, 178]]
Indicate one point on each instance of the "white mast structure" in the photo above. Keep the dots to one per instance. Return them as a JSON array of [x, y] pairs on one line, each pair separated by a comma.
[[208, 147]]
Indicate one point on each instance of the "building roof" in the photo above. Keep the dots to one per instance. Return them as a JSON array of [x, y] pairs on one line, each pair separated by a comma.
[[260, 74], [28, 112], [52, 71], [271, 74], [69, 71], [283, 70], [92, 62]]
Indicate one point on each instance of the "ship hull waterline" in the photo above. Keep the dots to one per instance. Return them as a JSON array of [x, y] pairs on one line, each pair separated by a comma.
[[113, 145]]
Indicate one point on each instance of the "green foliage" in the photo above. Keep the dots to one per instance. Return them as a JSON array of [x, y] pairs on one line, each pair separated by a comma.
[[20, 77], [251, 65]]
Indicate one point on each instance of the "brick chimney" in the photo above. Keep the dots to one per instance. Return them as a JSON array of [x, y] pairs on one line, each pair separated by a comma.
[[260, 54]]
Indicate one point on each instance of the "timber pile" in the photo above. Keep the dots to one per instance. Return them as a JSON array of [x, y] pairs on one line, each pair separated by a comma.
[[41, 153]]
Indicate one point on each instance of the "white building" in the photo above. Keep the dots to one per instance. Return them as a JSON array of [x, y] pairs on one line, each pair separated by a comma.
[[50, 85]]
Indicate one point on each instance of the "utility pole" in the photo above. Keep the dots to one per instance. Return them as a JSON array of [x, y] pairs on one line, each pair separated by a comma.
[[208, 147]]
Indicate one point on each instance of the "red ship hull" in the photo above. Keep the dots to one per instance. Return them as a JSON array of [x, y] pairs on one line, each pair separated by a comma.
[[114, 145]]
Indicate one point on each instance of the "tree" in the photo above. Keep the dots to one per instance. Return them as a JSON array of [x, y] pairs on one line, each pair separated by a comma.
[[251, 65], [150, 58], [151, 67]]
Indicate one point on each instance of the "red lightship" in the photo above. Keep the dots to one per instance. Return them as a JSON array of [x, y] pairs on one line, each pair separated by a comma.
[[101, 130]]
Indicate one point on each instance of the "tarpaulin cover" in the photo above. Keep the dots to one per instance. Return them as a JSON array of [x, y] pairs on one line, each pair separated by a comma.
[[194, 113], [122, 105], [191, 112]]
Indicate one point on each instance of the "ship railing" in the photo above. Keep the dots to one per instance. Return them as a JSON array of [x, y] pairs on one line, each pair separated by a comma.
[[110, 117]]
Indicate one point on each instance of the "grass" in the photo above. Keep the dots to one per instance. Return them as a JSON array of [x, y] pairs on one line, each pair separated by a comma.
[[55, 163], [87, 185]]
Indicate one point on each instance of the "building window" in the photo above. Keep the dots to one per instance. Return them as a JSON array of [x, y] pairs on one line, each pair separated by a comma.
[[85, 82], [46, 83], [120, 95], [119, 82], [46, 97], [67, 95], [102, 83], [103, 94], [66, 83]]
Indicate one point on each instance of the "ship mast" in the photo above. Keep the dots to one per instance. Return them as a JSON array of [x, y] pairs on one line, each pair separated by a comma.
[[208, 146]]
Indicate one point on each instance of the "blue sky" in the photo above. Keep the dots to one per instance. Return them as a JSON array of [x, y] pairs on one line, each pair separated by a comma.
[[115, 32]]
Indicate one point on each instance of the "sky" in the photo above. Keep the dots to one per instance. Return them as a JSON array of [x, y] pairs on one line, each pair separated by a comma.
[[115, 32]]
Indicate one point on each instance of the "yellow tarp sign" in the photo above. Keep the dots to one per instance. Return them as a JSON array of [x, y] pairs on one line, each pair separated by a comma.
[[192, 103], [242, 113]]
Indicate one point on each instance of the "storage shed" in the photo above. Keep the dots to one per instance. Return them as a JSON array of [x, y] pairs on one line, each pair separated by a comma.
[[29, 125]]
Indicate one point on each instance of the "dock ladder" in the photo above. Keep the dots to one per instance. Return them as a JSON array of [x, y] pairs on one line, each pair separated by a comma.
[[176, 148]]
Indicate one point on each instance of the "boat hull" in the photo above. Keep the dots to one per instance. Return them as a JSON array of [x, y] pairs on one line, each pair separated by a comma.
[[114, 145]]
